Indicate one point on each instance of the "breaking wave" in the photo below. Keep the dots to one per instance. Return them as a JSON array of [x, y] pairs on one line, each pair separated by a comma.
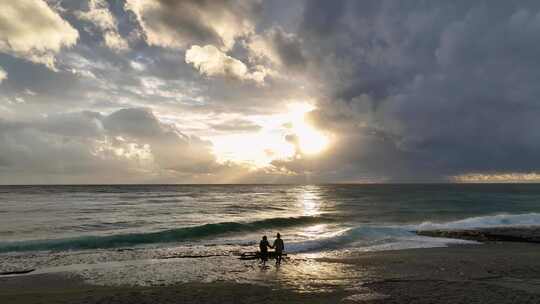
[[376, 238], [166, 236], [490, 221], [373, 238]]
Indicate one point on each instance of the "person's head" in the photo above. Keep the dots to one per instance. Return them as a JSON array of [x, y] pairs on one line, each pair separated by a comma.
[[264, 237], [278, 235]]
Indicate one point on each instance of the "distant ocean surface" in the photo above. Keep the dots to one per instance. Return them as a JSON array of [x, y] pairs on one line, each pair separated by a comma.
[[310, 217]]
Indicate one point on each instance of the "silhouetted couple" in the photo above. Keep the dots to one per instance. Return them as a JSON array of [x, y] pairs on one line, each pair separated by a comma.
[[278, 249]]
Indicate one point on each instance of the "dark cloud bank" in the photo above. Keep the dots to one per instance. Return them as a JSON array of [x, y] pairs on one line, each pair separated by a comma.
[[425, 90]]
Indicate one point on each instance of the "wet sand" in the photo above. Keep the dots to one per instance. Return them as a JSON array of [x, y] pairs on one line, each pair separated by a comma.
[[495, 272], [27, 290], [489, 273]]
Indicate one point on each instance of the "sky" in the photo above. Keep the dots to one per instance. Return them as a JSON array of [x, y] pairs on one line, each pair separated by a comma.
[[269, 91]]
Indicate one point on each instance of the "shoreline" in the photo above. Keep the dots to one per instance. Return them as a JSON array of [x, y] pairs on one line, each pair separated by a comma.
[[503, 268], [502, 272]]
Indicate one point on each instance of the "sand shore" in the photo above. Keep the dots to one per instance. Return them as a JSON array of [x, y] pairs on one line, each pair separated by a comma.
[[495, 272]]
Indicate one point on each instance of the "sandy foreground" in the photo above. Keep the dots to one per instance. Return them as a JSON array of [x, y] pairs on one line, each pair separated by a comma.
[[498, 272]]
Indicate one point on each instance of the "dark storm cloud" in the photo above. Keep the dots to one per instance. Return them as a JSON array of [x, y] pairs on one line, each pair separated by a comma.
[[322, 17], [281, 47], [451, 86], [289, 49]]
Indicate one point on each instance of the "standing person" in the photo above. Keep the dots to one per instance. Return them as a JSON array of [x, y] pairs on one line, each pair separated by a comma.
[[279, 247], [263, 246]]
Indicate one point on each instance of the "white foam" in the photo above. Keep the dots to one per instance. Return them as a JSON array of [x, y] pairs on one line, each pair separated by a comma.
[[418, 242], [491, 221], [373, 238]]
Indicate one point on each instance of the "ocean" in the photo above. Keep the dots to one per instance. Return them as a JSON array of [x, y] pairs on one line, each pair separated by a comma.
[[160, 235], [227, 218], [155, 235]]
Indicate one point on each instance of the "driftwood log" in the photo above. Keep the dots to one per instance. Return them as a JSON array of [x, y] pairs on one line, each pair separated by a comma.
[[257, 255], [17, 272]]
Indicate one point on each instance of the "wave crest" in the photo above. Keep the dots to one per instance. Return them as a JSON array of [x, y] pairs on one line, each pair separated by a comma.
[[166, 236], [489, 221]]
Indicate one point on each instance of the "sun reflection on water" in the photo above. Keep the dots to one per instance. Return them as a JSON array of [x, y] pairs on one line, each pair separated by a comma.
[[308, 274], [314, 231], [310, 201]]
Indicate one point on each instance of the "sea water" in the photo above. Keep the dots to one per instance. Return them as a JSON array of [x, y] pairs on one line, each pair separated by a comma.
[[59, 226], [310, 217]]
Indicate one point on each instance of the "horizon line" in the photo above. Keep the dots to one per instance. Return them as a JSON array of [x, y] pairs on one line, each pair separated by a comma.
[[281, 184]]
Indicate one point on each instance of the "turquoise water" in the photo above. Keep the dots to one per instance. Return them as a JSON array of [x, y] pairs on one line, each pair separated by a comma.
[[310, 217]]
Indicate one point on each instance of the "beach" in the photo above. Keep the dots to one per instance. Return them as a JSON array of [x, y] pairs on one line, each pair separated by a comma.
[[501, 272]]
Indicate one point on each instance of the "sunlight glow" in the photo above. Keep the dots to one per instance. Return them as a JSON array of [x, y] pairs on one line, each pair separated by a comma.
[[255, 149], [281, 136], [310, 140]]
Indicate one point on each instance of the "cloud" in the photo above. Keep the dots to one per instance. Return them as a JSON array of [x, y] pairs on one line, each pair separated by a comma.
[[135, 122], [410, 91], [99, 14], [442, 89], [37, 39], [236, 125], [171, 149], [279, 47], [3, 74], [210, 61], [180, 24], [531, 177], [115, 42], [129, 145], [85, 124]]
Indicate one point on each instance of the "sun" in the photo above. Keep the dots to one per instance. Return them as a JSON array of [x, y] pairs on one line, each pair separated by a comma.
[[310, 141]]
